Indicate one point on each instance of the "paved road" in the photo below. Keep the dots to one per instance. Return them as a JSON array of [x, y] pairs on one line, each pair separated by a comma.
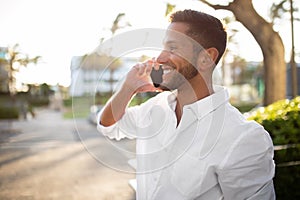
[[51, 158]]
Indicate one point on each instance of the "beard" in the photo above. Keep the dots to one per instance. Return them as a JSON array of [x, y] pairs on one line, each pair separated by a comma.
[[175, 78]]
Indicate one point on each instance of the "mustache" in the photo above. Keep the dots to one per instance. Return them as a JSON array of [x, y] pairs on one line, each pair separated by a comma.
[[170, 64]]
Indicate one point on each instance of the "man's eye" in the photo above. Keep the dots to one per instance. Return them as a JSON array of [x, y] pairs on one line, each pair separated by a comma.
[[172, 48]]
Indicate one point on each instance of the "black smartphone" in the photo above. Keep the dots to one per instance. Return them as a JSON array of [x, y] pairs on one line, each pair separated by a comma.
[[156, 76]]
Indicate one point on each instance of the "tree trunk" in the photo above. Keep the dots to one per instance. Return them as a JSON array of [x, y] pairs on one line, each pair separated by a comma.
[[270, 43], [294, 70]]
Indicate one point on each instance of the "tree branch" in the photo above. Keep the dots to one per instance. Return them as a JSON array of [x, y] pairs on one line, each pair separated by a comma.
[[216, 7]]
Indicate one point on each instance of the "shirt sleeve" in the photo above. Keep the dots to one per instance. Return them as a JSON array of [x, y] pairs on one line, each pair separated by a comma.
[[248, 170], [124, 128]]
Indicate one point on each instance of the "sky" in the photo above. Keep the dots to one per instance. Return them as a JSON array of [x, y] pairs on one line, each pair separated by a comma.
[[57, 30]]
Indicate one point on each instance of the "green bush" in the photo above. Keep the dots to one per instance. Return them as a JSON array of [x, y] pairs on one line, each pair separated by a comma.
[[67, 102], [9, 113], [245, 107], [287, 154], [286, 182], [281, 119], [39, 101]]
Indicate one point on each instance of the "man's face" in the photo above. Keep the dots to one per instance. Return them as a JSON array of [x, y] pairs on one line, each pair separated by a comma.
[[178, 58]]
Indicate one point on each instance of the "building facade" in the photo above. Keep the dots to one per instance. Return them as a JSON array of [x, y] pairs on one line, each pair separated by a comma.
[[93, 73]]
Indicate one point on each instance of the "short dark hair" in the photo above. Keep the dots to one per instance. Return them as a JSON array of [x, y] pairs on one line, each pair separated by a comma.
[[207, 30]]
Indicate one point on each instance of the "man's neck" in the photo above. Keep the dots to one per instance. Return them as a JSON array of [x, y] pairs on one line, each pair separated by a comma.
[[191, 92], [194, 90]]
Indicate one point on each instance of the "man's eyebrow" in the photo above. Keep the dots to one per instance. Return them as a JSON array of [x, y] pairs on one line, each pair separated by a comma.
[[170, 42]]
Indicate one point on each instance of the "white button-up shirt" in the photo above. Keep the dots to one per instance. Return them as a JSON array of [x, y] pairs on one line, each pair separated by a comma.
[[214, 152]]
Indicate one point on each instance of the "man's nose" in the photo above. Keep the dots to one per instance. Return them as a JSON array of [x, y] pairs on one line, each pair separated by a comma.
[[163, 57]]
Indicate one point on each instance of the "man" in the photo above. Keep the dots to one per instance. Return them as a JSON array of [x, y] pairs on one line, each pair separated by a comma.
[[191, 143]]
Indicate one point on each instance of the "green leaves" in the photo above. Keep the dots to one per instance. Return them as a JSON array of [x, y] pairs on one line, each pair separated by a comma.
[[169, 9], [281, 119]]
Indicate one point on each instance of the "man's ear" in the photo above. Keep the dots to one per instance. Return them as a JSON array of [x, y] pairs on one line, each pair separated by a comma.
[[206, 59]]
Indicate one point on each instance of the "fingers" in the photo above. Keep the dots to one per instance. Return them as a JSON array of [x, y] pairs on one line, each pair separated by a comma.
[[140, 79], [144, 68], [155, 64], [148, 68]]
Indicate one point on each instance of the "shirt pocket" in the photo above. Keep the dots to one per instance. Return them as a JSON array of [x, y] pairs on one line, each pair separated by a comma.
[[187, 175]]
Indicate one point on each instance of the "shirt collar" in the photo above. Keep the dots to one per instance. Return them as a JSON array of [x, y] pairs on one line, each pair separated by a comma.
[[203, 106]]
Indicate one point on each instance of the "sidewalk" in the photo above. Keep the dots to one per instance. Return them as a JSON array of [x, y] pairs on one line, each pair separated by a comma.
[[43, 159]]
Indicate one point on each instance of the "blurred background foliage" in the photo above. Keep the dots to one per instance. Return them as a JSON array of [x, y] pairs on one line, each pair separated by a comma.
[[282, 120]]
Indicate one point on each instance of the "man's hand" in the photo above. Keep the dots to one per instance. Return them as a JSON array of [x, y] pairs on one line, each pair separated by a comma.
[[138, 79]]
